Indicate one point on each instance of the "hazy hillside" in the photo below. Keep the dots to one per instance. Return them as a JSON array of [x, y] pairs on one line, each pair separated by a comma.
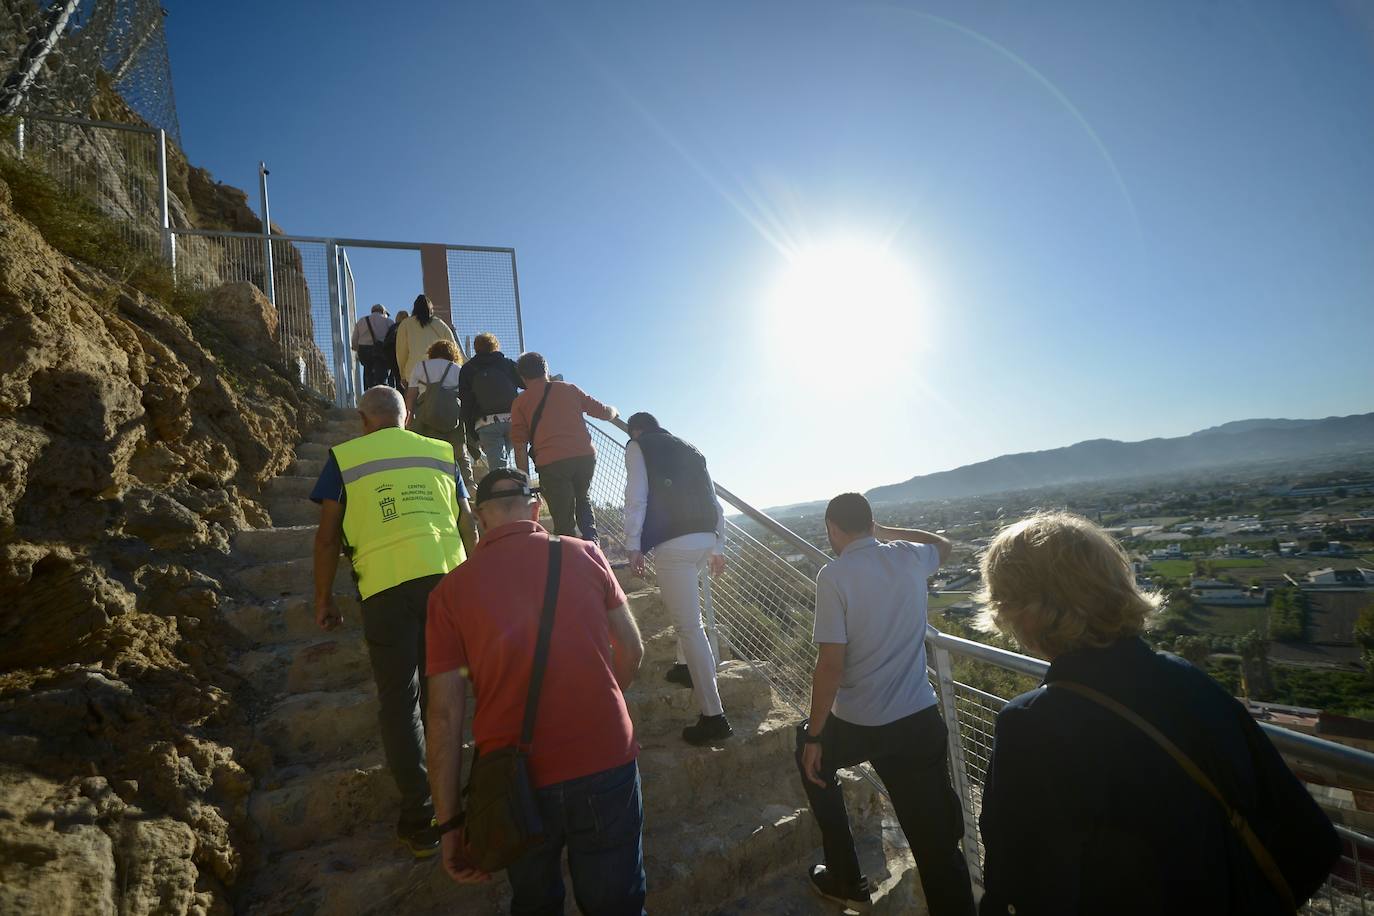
[[1106, 459]]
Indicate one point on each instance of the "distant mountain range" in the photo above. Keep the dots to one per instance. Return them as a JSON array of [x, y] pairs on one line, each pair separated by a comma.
[[1239, 442]]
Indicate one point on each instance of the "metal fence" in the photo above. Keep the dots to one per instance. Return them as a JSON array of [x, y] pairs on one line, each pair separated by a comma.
[[120, 44], [306, 324], [764, 607], [120, 168], [485, 296]]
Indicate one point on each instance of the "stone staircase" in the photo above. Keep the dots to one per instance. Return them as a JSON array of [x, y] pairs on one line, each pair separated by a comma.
[[726, 828]]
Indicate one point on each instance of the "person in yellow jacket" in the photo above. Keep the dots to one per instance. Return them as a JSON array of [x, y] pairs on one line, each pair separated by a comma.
[[396, 504], [415, 335]]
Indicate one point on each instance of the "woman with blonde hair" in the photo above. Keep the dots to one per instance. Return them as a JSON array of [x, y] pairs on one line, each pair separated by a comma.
[[1130, 782]]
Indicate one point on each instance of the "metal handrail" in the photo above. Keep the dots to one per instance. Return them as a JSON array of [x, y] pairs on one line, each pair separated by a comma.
[[326, 240], [1351, 760]]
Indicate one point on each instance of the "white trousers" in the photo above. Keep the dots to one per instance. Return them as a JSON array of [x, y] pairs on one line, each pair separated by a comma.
[[679, 570]]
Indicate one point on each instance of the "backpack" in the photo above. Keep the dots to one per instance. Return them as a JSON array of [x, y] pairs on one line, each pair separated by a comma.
[[493, 388], [437, 406]]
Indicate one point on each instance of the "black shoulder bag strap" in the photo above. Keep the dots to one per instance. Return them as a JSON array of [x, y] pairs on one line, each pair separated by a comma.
[[1238, 822], [541, 647], [534, 421]]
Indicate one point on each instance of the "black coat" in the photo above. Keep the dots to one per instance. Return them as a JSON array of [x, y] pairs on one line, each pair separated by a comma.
[[1082, 813], [471, 410]]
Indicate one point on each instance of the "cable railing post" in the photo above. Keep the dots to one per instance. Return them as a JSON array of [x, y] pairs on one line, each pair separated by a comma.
[[19, 136], [708, 615], [958, 768], [169, 252], [331, 258]]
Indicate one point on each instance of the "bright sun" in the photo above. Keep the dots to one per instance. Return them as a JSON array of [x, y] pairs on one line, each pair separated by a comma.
[[857, 288]]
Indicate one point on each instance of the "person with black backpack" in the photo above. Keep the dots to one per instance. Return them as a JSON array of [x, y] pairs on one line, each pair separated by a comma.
[[487, 385], [432, 401], [368, 335], [393, 368]]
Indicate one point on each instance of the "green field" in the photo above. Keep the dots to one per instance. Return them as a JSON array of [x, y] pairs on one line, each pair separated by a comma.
[[1222, 620]]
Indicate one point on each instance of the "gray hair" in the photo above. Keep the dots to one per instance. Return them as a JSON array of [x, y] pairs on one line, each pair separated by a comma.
[[382, 403]]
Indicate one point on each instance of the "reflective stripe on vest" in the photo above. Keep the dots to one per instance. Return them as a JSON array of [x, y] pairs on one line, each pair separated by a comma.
[[400, 512]]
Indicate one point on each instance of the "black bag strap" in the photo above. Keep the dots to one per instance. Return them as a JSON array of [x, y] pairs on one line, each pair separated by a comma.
[[538, 412], [372, 332], [541, 648], [443, 378], [1262, 856]]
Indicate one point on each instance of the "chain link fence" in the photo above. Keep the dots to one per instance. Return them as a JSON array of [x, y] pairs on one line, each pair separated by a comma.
[[112, 55], [485, 297]]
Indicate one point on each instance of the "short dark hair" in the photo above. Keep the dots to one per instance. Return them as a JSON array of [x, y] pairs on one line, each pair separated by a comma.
[[643, 422], [531, 365], [851, 513]]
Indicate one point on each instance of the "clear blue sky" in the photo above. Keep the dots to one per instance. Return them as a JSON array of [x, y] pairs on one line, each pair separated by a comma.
[[1108, 219]]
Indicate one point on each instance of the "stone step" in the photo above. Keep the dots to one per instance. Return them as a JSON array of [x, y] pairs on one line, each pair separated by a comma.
[[262, 545], [659, 708], [325, 662], [322, 725], [659, 712], [289, 485], [369, 872], [307, 467], [296, 577], [342, 414], [699, 863], [314, 451], [787, 891], [297, 812], [287, 619], [291, 511]]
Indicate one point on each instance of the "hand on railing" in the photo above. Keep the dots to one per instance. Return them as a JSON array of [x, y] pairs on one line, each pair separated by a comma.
[[637, 562], [717, 565]]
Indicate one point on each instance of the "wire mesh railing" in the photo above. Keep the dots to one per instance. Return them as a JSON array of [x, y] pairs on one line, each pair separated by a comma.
[[764, 608], [485, 296], [119, 168], [207, 259]]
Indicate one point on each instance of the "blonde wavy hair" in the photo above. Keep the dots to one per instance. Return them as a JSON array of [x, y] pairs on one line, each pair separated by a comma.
[[1057, 582]]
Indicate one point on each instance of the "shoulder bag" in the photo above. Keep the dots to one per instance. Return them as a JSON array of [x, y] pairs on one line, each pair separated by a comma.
[[534, 421], [501, 814], [1262, 857]]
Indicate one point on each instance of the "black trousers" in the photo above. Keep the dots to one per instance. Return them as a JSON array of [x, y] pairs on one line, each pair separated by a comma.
[[911, 758], [394, 625]]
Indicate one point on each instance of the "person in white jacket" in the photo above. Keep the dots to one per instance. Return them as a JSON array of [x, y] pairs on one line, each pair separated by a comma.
[[671, 509]]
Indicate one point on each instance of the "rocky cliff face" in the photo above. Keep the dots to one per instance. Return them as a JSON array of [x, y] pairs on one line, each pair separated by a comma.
[[131, 446]]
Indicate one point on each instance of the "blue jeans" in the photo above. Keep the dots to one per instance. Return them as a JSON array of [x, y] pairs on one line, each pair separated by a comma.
[[600, 818], [495, 439]]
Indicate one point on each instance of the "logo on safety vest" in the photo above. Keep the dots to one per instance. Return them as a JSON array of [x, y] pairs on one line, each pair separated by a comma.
[[388, 507]]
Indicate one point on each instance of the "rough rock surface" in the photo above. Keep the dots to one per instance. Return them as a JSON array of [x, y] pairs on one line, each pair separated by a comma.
[[132, 447]]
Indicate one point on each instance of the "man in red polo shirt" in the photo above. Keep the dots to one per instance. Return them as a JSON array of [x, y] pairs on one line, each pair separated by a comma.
[[483, 625]]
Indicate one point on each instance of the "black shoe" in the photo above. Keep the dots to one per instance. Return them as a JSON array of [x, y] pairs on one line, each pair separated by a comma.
[[707, 730], [680, 675], [853, 895], [422, 840]]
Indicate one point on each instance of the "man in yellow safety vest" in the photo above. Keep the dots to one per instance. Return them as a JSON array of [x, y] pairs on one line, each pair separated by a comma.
[[395, 502]]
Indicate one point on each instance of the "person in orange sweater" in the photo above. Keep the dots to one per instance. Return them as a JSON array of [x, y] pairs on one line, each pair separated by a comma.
[[546, 427]]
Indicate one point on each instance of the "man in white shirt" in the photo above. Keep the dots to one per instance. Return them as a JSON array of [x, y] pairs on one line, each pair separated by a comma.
[[871, 700], [368, 335], [672, 510]]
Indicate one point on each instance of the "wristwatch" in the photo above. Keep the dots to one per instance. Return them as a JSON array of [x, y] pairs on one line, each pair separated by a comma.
[[453, 823], [809, 738]]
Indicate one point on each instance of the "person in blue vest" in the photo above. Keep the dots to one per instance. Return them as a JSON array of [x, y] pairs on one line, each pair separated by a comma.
[[671, 509], [396, 503]]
